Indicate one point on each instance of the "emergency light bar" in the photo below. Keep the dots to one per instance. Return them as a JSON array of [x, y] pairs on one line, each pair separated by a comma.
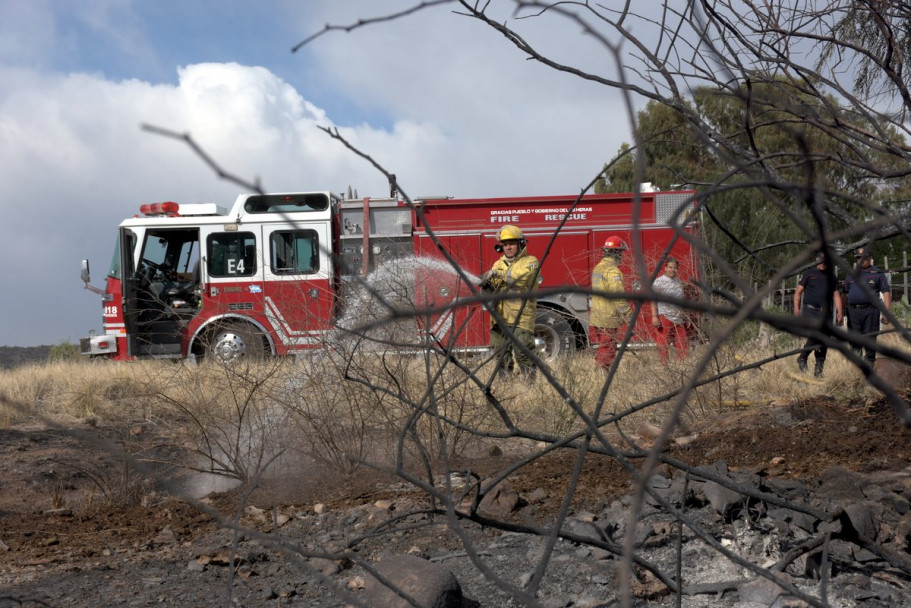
[[167, 209]]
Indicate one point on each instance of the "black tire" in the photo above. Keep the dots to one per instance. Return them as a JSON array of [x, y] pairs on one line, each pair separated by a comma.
[[232, 343], [554, 336]]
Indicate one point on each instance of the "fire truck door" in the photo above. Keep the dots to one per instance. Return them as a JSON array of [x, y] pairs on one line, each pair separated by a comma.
[[160, 289], [298, 287], [231, 274], [129, 287]]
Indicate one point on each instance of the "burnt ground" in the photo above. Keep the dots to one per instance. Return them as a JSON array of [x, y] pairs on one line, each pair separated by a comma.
[[57, 547]]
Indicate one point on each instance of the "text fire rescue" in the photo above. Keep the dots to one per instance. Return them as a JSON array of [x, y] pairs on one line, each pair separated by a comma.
[[514, 216]]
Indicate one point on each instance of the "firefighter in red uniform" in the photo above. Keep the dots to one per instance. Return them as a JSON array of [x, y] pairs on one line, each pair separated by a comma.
[[516, 272], [608, 315]]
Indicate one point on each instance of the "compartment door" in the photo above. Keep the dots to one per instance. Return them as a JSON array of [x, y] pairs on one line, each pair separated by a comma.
[[298, 290]]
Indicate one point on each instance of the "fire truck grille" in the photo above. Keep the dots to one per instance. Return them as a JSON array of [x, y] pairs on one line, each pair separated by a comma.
[[241, 306]]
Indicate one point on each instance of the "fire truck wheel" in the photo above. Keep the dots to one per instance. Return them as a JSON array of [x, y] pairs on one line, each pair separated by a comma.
[[235, 342], [553, 334]]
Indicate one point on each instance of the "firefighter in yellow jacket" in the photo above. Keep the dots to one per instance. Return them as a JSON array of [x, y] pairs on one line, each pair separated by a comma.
[[516, 272], [608, 316]]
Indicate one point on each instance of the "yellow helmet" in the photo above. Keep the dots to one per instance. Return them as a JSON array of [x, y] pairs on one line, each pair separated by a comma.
[[511, 233]]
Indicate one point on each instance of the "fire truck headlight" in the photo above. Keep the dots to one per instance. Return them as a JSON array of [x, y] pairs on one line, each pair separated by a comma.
[[444, 292]]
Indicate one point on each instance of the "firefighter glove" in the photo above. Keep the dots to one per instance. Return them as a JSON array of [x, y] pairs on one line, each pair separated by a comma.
[[485, 281]]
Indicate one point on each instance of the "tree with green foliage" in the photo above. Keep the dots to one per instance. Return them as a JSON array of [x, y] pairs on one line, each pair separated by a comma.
[[64, 351], [879, 34], [754, 223]]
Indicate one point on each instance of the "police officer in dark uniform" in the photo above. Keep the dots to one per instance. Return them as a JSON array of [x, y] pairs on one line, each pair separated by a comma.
[[863, 313], [819, 297]]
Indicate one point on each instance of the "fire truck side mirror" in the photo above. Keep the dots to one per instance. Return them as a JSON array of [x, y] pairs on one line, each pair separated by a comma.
[[86, 279]]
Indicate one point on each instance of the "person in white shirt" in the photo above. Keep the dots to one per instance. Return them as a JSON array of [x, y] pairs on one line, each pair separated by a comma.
[[669, 320]]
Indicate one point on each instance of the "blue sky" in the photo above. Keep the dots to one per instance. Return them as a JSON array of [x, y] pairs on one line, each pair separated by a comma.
[[442, 101]]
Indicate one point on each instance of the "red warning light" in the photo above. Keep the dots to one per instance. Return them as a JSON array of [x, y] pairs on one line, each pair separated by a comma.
[[169, 209]]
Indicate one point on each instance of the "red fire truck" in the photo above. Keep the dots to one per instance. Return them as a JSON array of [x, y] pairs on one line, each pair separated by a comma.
[[282, 274]]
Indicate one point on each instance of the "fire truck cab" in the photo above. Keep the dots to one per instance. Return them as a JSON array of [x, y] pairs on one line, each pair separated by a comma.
[[196, 280]]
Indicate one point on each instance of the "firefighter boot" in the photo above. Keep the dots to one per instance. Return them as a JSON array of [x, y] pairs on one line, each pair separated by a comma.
[[802, 363], [817, 373]]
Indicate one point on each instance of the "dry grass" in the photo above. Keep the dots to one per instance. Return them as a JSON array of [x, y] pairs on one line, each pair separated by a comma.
[[66, 391], [642, 380], [339, 412]]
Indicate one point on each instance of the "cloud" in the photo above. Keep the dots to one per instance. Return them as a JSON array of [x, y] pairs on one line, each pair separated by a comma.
[[508, 125]]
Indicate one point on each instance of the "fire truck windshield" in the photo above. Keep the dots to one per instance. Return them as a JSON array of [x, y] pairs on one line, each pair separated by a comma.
[[169, 253], [114, 268]]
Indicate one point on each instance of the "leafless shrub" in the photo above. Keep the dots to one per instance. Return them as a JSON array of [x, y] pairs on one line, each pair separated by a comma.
[[230, 424], [114, 482], [337, 423]]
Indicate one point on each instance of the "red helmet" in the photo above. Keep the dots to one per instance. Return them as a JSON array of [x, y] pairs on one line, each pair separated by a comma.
[[615, 242]]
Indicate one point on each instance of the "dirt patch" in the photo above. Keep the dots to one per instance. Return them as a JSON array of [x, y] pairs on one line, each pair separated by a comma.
[[58, 513], [794, 441]]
